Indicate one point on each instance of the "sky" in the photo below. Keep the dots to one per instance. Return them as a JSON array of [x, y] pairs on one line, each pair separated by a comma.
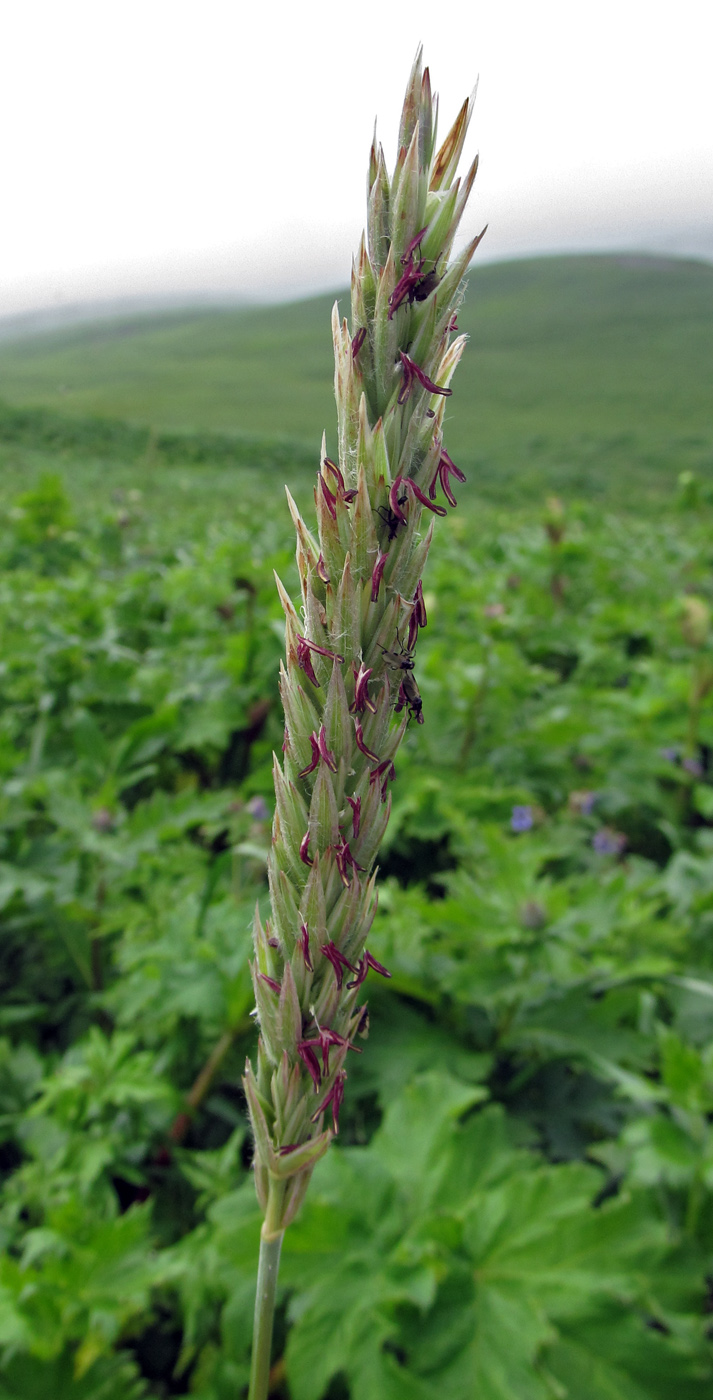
[[218, 148]]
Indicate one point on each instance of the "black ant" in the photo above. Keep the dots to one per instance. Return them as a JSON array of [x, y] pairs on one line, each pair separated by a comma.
[[390, 518]]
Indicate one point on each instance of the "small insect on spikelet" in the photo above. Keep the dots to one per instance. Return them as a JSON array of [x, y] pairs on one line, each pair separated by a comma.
[[348, 685]]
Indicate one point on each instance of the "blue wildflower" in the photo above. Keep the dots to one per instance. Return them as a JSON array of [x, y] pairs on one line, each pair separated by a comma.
[[608, 842]]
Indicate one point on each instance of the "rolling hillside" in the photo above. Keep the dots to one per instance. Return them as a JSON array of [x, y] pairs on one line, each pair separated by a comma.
[[579, 369]]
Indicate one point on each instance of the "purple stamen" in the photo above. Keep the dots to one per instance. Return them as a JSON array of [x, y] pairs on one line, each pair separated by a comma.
[[335, 1098], [345, 860], [407, 255], [377, 574], [451, 466], [309, 1059], [387, 772], [405, 389], [405, 287], [325, 1039], [446, 468], [418, 493], [355, 804], [304, 660], [443, 476], [358, 341], [326, 753], [322, 570], [289, 1147], [364, 964], [304, 945], [412, 631], [334, 469], [363, 748], [270, 982], [394, 501], [419, 605], [305, 856], [321, 651], [453, 323], [338, 961], [411, 370], [362, 700], [329, 497], [315, 758]]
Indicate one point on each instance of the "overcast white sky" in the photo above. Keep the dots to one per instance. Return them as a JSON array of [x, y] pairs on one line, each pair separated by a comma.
[[187, 146]]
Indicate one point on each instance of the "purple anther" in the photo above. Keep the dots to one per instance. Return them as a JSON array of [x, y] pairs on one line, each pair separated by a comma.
[[364, 964], [303, 643], [420, 606], [324, 1040], [329, 497], [355, 804], [315, 759], [307, 1054], [419, 494], [449, 464], [362, 700], [305, 856], [394, 501], [345, 862], [358, 341], [334, 469], [407, 255], [446, 469], [453, 323], [322, 571], [304, 660], [405, 287], [270, 982], [326, 753], [335, 1098], [413, 371], [412, 631], [377, 574], [304, 945], [377, 966], [338, 961], [385, 772], [362, 747], [289, 1147], [407, 371]]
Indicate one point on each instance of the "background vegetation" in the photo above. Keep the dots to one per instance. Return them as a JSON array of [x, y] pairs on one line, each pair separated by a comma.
[[521, 1204]]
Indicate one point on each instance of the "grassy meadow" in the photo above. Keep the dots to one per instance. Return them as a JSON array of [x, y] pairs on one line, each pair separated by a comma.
[[584, 374], [520, 1206]]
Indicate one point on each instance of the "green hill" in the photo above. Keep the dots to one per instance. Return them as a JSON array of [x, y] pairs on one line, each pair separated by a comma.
[[586, 373]]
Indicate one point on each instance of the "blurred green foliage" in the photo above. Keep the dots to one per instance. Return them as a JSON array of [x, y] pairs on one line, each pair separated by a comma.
[[520, 1206]]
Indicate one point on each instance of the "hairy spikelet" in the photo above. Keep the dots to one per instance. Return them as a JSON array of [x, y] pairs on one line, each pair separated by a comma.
[[348, 687]]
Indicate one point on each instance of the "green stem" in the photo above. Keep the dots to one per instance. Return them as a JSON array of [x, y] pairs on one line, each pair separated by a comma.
[[270, 1245]]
